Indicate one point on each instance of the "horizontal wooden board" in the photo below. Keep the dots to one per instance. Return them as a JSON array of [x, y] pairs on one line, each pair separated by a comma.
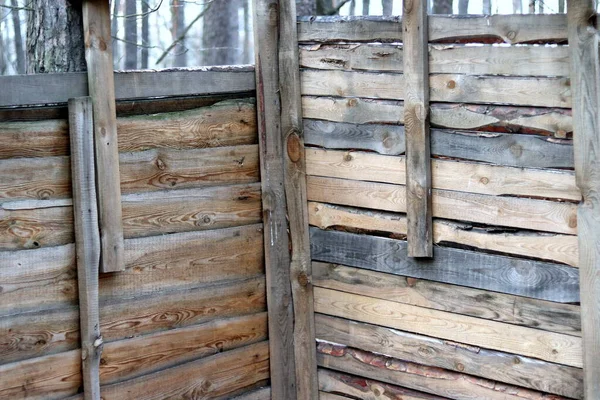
[[552, 247], [214, 376], [42, 332], [548, 346], [452, 88], [226, 123], [432, 380], [494, 365], [535, 279], [59, 87], [517, 310], [449, 175], [443, 59], [523, 213], [24, 226], [474, 28], [263, 393]]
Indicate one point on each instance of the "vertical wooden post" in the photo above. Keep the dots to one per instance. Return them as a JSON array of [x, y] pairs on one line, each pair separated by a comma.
[[585, 85], [87, 240], [416, 120], [98, 55], [297, 203], [277, 256]]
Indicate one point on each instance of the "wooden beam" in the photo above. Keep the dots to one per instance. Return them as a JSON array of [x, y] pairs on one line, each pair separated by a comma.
[[294, 164], [276, 243], [98, 56], [416, 120], [585, 83], [87, 240]]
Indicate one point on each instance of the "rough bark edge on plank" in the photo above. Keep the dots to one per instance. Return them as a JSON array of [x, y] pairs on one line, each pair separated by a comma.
[[87, 240]]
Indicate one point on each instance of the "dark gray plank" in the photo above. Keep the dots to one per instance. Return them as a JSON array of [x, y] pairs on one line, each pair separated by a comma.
[[58, 88], [540, 280]]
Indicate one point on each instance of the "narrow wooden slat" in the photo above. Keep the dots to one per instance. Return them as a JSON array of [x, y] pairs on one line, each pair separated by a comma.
[[443, 59], [585, 77], [516, 310], [549, 346], [259, 394], [475, 28], [215, 376], [87, 240], [535, 279], [294, 165], [99, 60], [547, 216], [276, 241], [353, 110], [560, 248]]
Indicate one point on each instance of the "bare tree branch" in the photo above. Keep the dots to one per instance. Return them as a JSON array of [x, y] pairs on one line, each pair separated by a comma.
[[16, 8], [150, 11]]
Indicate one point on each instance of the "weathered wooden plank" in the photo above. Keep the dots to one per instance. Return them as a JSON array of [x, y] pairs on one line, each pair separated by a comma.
[[213, 376], [258, 394], [432, 380], [549, 346], [59, 87], [353, 110], [87, 240], [330, 396], [472, 28], [540, 280], [42, 332], [452, 88], [494, 365], [416, 120], [585, 76], [226, 123], [515, 212], [273, 172], [544, 315], [450, 175], [35, 178], [99, 60], [297, 213], [561, 248], [443, 59]]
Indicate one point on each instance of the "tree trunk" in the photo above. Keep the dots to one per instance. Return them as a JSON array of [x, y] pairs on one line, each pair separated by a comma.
[[131, 34], [3, 63], [541, 7], [561, 6], [387, 7], [517, 7], [442, 7], [463, 6], [55, 37], [248, 53], [19, 50], [114, 30], [531, 6], [145, 33], [177, 31], [352, 7], [487, 7], [366, 7], [306, 7], [220, 34]]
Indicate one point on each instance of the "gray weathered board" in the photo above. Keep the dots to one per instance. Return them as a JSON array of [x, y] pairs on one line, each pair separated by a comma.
[[528, 278]]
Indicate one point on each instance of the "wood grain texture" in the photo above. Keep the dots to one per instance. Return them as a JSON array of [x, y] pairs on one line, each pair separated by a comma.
[[585, 76], [99, 60], [431, 380], [498, 366], [473, 28], [453, 88], [492, 210], [554, 347], [535, 279], [443, 59], [450, 175], [516, 310], [210, 377], [276, 241], [560, 248], [263, 393], [87, 240]]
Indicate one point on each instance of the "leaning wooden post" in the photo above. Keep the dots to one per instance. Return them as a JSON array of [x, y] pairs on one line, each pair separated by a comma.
[[87, 240], [297, 203], [585, 86], [416, 121], [276, 242], [98, 55]]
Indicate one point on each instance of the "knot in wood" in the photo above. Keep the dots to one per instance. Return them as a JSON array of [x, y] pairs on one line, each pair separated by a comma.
[[451, 84], [303, 279], [294, 148], [348, 157]]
